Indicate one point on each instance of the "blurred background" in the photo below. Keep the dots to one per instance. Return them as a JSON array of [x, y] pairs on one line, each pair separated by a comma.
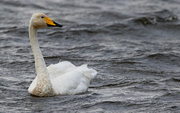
[[133, 44]]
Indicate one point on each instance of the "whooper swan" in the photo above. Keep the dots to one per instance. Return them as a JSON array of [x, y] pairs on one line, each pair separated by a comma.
[[57, 79]]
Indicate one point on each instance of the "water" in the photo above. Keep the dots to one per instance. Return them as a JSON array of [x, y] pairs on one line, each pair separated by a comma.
[[134, 45]]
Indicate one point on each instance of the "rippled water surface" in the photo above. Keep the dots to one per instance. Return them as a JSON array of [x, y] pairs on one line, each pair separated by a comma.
[[133, 44]]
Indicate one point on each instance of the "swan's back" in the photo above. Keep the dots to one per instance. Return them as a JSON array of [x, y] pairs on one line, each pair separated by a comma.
[[69, 79]]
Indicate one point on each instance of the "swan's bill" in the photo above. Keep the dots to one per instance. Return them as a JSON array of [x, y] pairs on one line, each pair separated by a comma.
[[51, 23], [58, 25]]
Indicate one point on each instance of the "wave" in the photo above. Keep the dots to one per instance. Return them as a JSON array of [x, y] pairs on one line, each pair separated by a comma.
[[163, 16]]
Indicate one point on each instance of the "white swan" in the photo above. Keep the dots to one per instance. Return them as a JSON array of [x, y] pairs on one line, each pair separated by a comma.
[[57, 79]]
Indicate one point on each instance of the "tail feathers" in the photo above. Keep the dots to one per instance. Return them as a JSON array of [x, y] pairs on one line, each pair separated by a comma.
[[88, 72]]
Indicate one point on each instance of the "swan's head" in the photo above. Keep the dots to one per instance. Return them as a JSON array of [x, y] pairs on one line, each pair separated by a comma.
[[40, 20]]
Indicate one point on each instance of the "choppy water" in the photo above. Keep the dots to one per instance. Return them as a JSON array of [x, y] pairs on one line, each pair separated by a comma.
[[133, 44]]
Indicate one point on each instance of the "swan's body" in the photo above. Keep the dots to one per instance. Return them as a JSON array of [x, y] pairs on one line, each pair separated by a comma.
[[56, 79]]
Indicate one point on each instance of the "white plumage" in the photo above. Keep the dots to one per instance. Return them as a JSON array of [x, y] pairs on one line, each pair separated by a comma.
[[57, 79]]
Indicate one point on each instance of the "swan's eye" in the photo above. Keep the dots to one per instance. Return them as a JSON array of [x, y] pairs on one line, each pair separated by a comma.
[[42, 17]]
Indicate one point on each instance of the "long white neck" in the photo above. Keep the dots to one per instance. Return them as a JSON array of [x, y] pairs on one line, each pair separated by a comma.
[[44, 86], [39, 60]]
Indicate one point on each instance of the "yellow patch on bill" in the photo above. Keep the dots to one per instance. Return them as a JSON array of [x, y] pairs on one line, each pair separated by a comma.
[[49, 21]]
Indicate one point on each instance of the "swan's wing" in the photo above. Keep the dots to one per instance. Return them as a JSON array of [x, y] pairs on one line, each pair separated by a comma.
[[54, 70], [60, 68], [70, 83], [69, 79]]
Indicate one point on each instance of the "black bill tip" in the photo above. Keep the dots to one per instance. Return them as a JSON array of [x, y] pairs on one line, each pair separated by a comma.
[[56, 25]]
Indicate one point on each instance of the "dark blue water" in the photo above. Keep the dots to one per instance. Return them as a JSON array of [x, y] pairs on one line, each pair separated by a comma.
[[134, 45]]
